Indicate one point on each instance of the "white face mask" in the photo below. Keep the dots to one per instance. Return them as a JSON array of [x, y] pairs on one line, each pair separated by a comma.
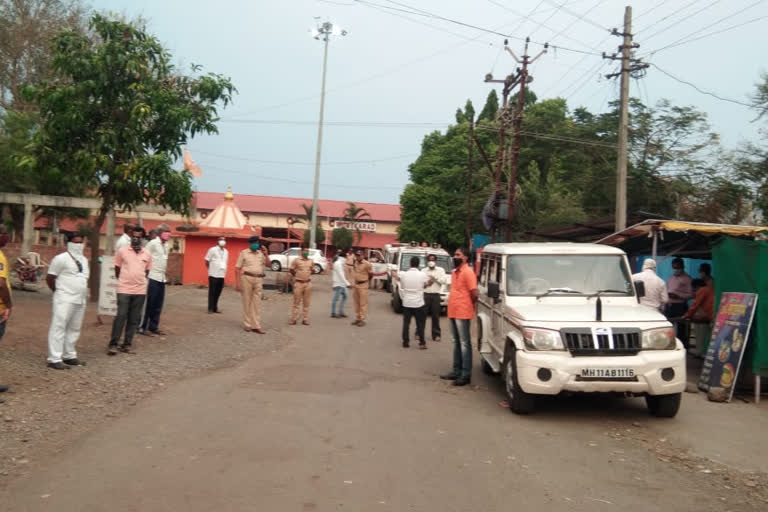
[[75, 249], [431, 264], [222, 243]]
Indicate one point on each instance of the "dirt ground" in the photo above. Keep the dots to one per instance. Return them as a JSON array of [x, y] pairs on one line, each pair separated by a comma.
[[333, 417]]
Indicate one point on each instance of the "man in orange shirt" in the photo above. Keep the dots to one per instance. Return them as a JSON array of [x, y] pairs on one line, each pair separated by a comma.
[[461, 311], [701, 313]]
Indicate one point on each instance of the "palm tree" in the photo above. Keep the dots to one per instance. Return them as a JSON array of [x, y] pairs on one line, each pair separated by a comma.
[[307, 219], [354, 213]]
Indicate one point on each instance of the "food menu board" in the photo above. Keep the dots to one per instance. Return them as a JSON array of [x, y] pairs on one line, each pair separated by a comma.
[[728, 343]]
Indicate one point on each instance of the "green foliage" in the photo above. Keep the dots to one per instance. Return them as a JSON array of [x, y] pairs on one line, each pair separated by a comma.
[[342, 238], [319, 235], [354, 213], [117, 114]]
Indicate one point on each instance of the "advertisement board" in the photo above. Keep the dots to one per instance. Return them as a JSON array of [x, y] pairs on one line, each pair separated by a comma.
[[108, 287]]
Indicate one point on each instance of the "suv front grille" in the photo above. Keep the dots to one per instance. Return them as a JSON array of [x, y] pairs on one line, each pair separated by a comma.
[[581, 342]]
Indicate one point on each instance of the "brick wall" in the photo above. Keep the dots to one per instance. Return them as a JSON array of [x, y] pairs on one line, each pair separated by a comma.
[[47, 252]]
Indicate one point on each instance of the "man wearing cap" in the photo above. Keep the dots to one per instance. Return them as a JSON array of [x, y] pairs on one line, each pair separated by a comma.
[[68, 280], [216, 261], [362, 272], [249, 280], [158, 249], [655, 288], [301, 270], [5, 292]]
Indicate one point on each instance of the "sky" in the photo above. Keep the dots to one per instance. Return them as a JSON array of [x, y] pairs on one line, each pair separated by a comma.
[[396, 76]]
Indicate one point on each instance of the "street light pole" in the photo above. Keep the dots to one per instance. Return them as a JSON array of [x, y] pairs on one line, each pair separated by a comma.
[[323, 32]]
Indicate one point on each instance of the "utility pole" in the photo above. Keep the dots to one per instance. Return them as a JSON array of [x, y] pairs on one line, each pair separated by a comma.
[[628, 65], [521, 77], [323, 32], [469, 179]]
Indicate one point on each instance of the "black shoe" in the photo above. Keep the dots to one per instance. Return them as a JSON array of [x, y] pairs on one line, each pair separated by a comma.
[[146, 333], [126, 349], [406, 344], [218, 311], [449, 376], [4, 388], [58, 366], [74, 362], [334, 315], [112, 350], [2, 401], [461, 381], [342, 315]]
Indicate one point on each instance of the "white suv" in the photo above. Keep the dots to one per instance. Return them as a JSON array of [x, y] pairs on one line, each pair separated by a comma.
[[277, 262], [561, 317]]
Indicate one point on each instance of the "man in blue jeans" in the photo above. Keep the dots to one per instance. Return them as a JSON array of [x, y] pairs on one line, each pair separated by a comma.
[[340, 285], [461, 311]]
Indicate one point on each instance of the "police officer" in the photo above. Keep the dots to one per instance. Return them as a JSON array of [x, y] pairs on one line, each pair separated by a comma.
[[301, 270], [249, 280], [362, 272]]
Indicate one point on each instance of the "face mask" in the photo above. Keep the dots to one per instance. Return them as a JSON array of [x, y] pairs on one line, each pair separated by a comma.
[[76, 249], [305, 254], [678, 271], [457, 262], [431, 264], [222, 243], [136, 243], [165, 236], [4, 239], [255, 247]]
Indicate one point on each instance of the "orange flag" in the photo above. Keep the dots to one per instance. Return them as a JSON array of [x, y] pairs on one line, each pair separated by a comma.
[[190, 166]]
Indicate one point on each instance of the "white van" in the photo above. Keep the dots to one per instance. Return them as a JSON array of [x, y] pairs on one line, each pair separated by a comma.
[[400, 261], [565, 317]]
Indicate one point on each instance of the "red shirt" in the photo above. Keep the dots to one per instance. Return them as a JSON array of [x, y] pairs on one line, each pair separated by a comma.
[[460, 303]]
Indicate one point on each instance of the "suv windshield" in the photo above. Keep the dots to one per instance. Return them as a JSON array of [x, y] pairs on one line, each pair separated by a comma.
[[442, 261], [582, 273]]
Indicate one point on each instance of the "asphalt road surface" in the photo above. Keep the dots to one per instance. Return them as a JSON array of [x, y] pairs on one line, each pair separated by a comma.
[[343, 418]]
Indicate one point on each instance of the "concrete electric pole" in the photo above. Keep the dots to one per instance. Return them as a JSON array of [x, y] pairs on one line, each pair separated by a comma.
[[322, 32], [628, 65]]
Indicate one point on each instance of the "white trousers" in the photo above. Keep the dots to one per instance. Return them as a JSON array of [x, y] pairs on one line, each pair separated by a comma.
[[65, 330]]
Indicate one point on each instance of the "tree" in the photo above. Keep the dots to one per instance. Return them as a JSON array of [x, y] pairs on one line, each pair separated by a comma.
[[342, 238], [307, 219], [27, 29], [319, 235], [353, 214], [117, 115]]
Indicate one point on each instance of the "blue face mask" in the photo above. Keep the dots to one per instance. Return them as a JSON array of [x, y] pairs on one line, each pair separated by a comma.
[[255, 247]]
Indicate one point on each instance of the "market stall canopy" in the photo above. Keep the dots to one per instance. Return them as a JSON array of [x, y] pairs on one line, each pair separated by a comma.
[[681, 237]]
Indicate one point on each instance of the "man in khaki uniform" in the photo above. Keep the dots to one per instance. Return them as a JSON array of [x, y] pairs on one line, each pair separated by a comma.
[[301, 269], [249, 280], [362, 271]]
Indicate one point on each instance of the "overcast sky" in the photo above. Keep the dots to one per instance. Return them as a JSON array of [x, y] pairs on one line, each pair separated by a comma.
[[394, 68]]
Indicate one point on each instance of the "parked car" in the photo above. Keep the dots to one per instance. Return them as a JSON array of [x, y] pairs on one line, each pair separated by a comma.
[[400, 261], [563, 317], [278, 262]]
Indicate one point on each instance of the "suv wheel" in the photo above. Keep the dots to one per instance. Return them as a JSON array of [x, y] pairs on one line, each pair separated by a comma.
[[519, 401], [397, 303], [275, 265], [663, 406], [317, 269]]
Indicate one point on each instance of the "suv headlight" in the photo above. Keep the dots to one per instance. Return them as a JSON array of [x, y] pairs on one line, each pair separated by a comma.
[[659, 339], [543, 339]]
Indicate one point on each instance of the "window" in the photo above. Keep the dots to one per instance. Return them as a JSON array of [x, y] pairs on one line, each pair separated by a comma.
[[581, 273], [484, 271], [294, 251], [443, 261]]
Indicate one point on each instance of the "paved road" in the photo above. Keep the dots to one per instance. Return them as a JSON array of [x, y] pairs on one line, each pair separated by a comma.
[[342, 418]]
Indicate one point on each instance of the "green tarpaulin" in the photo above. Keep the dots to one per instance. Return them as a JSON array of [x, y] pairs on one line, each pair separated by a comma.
[[742, 266]]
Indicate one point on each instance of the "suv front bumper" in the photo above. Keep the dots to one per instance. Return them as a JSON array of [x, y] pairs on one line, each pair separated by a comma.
[[566, 372]]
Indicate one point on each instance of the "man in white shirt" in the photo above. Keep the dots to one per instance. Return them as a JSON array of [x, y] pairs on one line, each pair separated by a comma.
[[340, 285], [158, 249], [412, 285], [216, 261], [125, 238], [655, 288], [68, 280], [436, 278]]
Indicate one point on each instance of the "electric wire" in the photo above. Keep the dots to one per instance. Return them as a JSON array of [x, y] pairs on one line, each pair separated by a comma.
[[702, 91], [328, 163], [698, 31], [580, 17], [663, 19], [421, 12]]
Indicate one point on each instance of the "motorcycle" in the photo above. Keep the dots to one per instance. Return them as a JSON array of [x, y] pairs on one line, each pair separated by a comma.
[[28, 273]]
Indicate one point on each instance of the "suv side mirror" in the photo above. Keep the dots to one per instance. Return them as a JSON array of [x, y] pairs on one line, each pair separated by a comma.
[[493, 290], [640, 288]]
